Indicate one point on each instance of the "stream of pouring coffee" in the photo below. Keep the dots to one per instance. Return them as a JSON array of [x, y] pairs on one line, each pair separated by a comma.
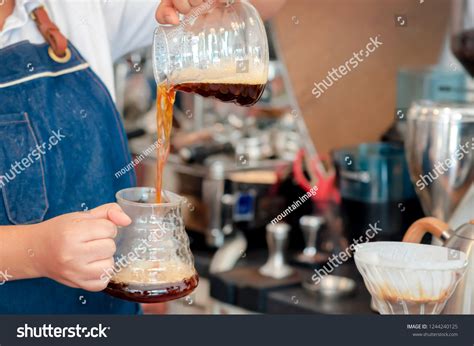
[[164, 120], [244, 93]]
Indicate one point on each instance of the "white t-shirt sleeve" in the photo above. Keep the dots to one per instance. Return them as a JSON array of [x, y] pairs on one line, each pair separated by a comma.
[[129, 24]]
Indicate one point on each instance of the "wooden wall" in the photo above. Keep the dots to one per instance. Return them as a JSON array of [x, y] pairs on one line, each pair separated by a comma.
[[317, 35]]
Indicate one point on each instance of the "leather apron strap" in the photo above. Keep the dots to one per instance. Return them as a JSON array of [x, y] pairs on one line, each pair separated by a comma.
[[58, 49]]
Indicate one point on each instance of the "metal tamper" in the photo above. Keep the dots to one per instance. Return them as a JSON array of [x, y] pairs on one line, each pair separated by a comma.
[[310, 225], [277, 240]]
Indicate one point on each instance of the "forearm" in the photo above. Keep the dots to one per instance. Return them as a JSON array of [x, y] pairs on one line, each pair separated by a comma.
[[268, 8], [17, 253]]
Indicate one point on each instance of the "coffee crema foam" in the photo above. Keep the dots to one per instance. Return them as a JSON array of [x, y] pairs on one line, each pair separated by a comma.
[[154, 272], [228, 74]]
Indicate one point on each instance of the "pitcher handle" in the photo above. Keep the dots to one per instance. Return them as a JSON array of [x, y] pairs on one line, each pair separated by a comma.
[[419, 228]]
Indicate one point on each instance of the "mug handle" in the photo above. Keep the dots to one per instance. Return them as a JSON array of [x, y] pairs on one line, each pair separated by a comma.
[[427, 224]]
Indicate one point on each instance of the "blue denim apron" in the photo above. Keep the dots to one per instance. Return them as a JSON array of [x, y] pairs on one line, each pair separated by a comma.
[[61, 143]]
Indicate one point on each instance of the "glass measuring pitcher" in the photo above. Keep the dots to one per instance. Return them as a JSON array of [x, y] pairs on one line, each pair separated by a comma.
[[153, 262], [218, 50]]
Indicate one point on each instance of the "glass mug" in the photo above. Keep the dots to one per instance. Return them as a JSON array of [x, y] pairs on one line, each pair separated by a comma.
[[218, 50], [153, 261]]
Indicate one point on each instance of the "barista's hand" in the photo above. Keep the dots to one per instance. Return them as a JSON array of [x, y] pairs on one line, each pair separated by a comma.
[[75, 249], [167, 12]]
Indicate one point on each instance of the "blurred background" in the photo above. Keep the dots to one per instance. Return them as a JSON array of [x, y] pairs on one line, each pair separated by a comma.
[[324, 156]]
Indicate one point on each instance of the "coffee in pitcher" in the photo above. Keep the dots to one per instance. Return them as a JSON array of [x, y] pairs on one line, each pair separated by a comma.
[[153, 282]]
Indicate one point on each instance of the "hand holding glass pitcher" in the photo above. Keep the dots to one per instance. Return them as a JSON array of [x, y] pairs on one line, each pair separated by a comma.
[[220, 49]]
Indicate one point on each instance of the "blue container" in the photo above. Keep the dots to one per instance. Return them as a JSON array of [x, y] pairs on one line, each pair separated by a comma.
[[374, 173]]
